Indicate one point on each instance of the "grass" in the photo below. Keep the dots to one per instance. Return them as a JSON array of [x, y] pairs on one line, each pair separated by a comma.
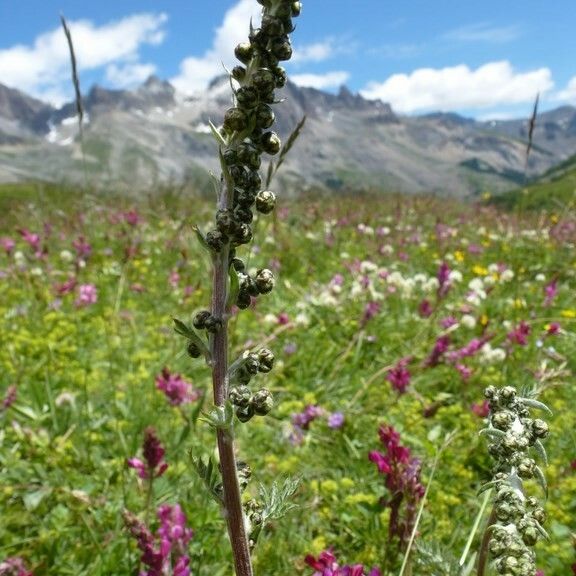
[[86, 391]]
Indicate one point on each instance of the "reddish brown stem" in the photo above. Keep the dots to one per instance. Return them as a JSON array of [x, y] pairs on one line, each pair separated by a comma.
[[233, 512]]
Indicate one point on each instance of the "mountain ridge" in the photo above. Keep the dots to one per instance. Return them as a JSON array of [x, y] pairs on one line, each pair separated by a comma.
[[158, 135]]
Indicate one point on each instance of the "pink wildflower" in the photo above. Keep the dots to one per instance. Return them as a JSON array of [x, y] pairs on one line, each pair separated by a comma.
[[177, 390], [87, 295], [9, 398], [481, 410], [66, 287], [553, 329], [550, 291], [33, 240], [443, 280], [14, 566], [82, 247], [399, 376], [440, 347], [153, 465], [370, 310], [520, 334], [425, 309], [7, 244]]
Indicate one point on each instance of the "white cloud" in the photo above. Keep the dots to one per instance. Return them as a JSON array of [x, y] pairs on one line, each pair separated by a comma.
[[321, 81], [43, 69], [460, 88], [128, 75], [316, 52], [483, 32], [197, 71], [568, 94]]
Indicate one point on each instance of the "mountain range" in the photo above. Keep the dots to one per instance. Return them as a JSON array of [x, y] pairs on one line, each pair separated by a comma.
[[151, 136]]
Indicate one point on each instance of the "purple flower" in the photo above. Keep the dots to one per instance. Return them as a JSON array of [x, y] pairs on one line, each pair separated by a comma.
[[370, 310], [82, 247], [327, 565], [303, 419], [400, 376], [33, 240], [481, 410], [9, 398], [520, 334], [7, 244], [440, 347], [153, 465], [177, 390], [336, 420], [14, 566], [87, 295], [443, 280], [425, 309], [550, 292]]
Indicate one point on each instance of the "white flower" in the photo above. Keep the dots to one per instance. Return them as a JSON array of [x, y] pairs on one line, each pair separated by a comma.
[[302, 320], [455, 276], [507, 275], [540, 278], [468, 321], [66, 256]]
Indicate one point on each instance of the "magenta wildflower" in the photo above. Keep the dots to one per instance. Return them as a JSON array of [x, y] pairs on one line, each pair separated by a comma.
[[82, 247], [425, 309], [9, 398], [283, 319], [470, 349], [33, 240], [177, 390], [399, 376], [443, 280], [520, 334], [550, 291], [7, 244], [66, 287], [327, 565], [174, 279], [440, 347], [87, 295], [553, 329], [303, 419], [405, 490], [448, 322], [153, 465], [14, 566], [465, 371], [168, 548], [370, 310], [481, 409], [132, 218]]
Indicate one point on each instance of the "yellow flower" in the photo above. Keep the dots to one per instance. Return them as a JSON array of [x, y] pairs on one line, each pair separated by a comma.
[[570, 313], [459, 256], [480, 270]]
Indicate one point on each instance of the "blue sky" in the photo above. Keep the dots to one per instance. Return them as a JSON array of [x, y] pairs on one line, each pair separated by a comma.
[[484, 59]]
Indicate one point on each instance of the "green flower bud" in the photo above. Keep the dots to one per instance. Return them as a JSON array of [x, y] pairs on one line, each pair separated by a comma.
[[265, 201], [530, 536], [192, 349], [252, 364], [216, 240], [270, 143], [281, 76], [247, 97], [296, 8], [281, 48], [540, 428], [502, 419], [272, 26], [243, 215], [230, 157], [244, 473], [200, 318], [508, 393], [239, 73], [263, 402], [242, 235], [264, 80], [248, 155], [491, 392], [213, 325], [243, 300], [240, 175], [225, 221], [539, 514], [245, 413], [238, 264], [265, 281], [253, 181], [243, 52], [264, 116], [240, 396], [265, 359], [235, 120], [526, 468]]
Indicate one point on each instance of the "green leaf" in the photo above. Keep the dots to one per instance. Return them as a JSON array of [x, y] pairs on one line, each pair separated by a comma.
[[539, 447], [276, 502], [220, 417], [201, 238], [536, 404], [210, 476], [33, 499], [492, 432], [188, 332], [217, 136], [541, 480]]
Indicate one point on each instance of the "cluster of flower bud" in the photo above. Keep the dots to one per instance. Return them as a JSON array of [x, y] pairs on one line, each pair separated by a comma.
[[249, 404], [254, 519], [519, 518], [246, 127], [251, 287]]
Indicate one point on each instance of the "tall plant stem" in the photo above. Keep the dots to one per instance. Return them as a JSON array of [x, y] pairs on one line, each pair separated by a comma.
[[233, 512], [483, 554]]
